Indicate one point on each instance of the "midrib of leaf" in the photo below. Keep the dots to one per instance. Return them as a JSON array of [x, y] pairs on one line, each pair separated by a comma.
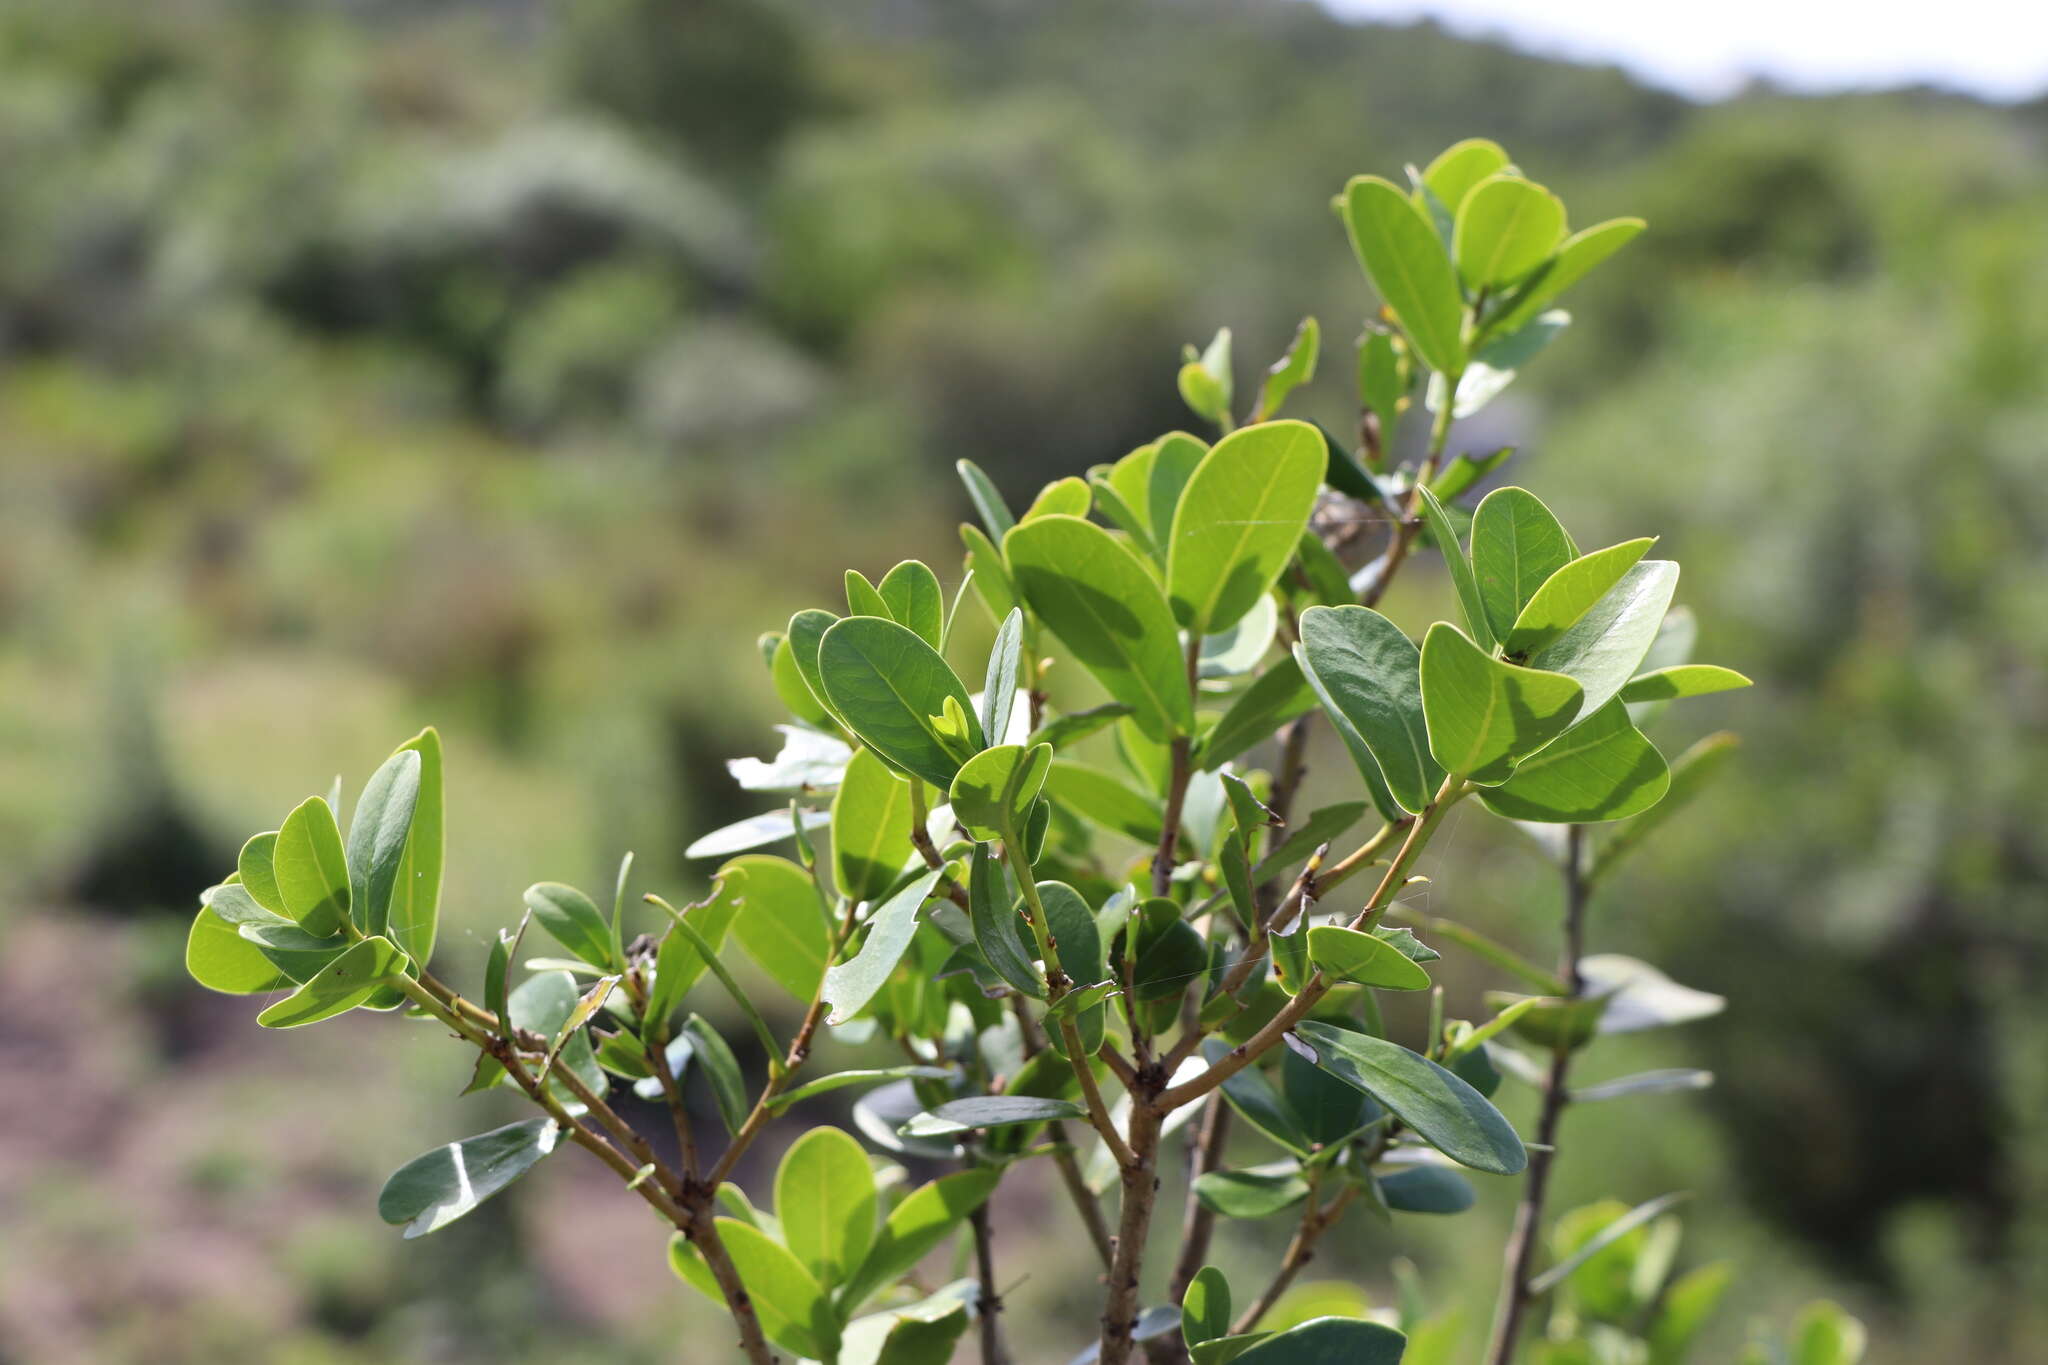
[[1502, 238], [1130, 660], [1244, 535], [1400, 267]]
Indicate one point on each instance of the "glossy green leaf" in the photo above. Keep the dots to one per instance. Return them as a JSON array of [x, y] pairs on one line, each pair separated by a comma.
[[1205, 1307], [1506, 227], [1068, 497], [1569, 593], [1329, 1341], [346, 982], [1364, 959], [779, 922], [914, 1227], [988, 503], [1275, 697], [889, 686], [923, 1333], [377, 836], [1407, 264], [310, 869], [1258, 1102], [255, 866], [1603, 769], [1367, 674], [1125, 516], [990, 1111], [1104, 604], [825, 1202], [1603, 650], [790, 686], [1444, 1111], [1104, 799], [1078, 941], [1460, 166], [775, 1277], [1174, 458], [572, 920], [1486, 715], [1290, 371], [711, 1052], [1673, 684], [1639, 996], [997, 930], [1384, 378], [1251, 1193], [999, 688], [1239, 516], [840, 1080], [1516, 545], [1238, 647], [544, 1004], [756, 831], [806, 632], [1427, 1189], [220, 959], [1470, 602], [287, 947], [414, 918], [997, 786], [850, 985], [1577, 255], [863, 598], [1667, 1081], [431, 1191], [1131, 478], [870, 828], [911, 593]]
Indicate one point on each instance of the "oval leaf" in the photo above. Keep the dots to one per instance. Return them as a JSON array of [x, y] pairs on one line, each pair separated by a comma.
[[890, 686], [850, 985], [1604, 769], [1485, 715], [1351, 955], [1506, 227], [347, 981], [870, 828], [1239, 517], [431, 1191], [1368, 675], [1444, 1111], [1405, 260], [1516, 545], [825, 1200], [310, 869]]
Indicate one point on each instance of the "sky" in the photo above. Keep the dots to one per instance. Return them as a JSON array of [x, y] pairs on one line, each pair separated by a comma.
[[1994, 48]]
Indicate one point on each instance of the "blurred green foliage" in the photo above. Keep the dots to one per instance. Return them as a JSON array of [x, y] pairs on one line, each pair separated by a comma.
[[511, 366]]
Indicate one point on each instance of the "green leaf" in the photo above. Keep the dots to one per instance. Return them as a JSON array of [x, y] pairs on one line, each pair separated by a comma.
[[1638, 996], [778, 1279], [1103, 799], [990, 1111], [1367, 960], [1607, 1236], [1251, 1193], [1224, 1350], [1078, 941], [286, 946], [1672, 684], [1427, 1189], [1576, 256], [995, 925], [1106, 607], [1684, 1309], [1406, 263], [376, 838], [999, 688], [917, 1225], [544, 1005], [756, 831], [431, 1191], [1239, 517], [1323, 824], [1205, 1308], [923, 1333], [991, 576], [1465, 471], [1110, 502], [1462, 577], [721, 1068], [780, 923], [806, 632], [310, 869], [795, 693], [1460, 166], [1485, 715], [1329, 1341], [1068, 497], [415, 914], [1603, 769], [1367, 674], [1506, 227], [839, 1080], [808, 762], [1444, 1111], [1290, 371], [870, 828], [1516, 545], [1170, 954], [889, 686], [1668, 1081], [255, 865], [1825, 1335], [911, 593], [997, 786], [1275, 697], [988, 503], [1255, 1099], [864, 598], [1173, 463], [1569, 593], [825, 1199], [1603, 650], [347, 981], [1384, 379], [574, 921], [850, 985], [1328, 1110], [220, 959]]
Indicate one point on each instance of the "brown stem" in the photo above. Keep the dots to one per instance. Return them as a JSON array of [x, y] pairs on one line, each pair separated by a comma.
[[1520, 1257], [1140, 1193], [1169, 830], [702, 1231], [1301, 1249], [991, 1304]]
